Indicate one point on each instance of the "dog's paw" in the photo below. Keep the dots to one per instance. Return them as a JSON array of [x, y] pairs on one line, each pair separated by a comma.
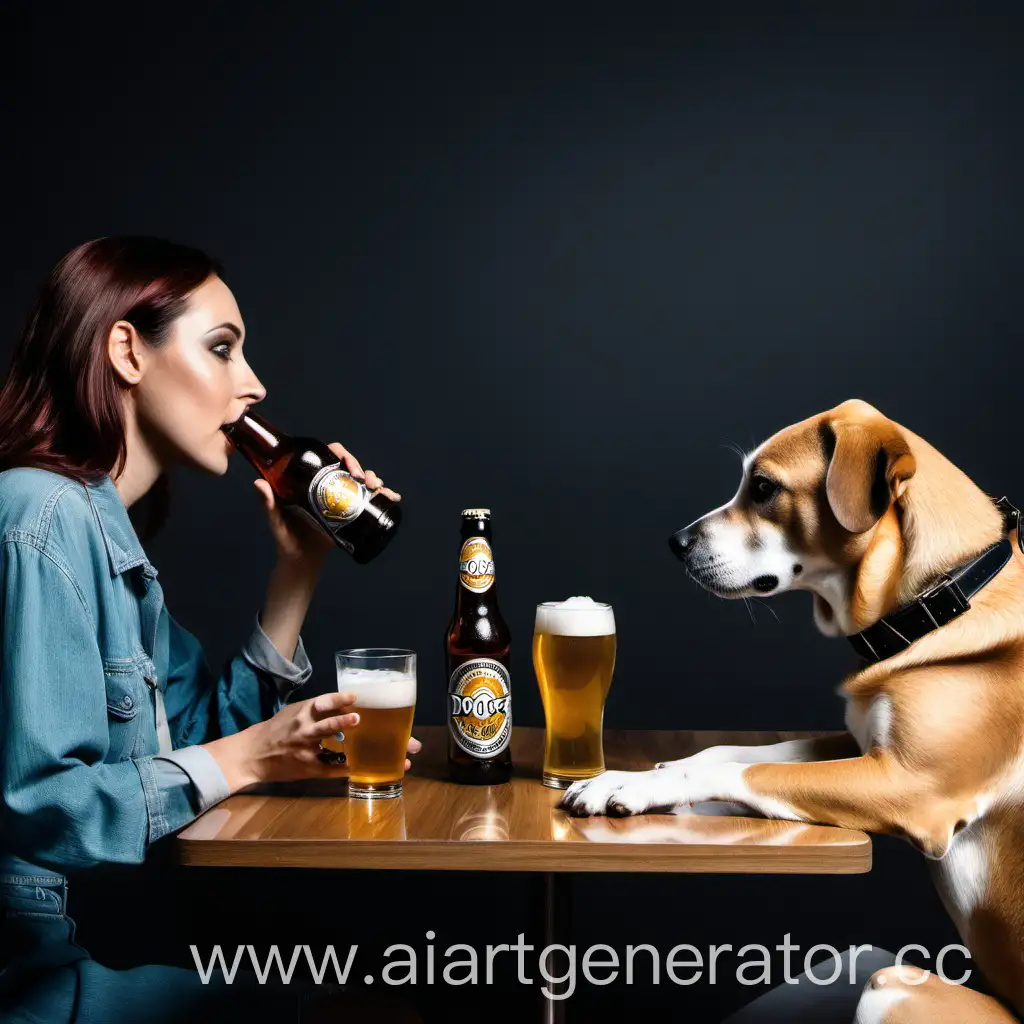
[[619, 794]]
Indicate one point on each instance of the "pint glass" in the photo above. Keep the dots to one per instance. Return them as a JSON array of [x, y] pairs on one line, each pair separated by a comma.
[[574, 657], [384, 682]]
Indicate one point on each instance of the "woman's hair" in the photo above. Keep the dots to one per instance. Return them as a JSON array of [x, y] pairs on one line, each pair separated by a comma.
[[61, 403]]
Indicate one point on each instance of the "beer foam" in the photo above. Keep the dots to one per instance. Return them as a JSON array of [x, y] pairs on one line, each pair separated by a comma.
[[379, 687], [576, 616]]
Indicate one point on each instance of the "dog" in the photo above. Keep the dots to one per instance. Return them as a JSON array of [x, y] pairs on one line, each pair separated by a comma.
[[874, 522]]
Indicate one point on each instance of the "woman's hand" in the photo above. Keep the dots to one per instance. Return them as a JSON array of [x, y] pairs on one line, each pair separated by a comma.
[[287, 746], [299, 542]]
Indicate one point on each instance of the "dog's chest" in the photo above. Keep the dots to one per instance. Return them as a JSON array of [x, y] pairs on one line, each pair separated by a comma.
[[869, 721], [961, 877]]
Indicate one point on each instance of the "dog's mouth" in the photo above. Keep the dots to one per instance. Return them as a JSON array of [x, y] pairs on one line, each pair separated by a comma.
[[707, 576]]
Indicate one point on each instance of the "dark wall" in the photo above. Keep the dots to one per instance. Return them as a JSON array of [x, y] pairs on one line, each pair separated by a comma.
[[555, 263]]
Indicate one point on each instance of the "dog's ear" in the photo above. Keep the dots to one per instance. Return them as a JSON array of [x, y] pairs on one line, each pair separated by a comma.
[[870, 463]]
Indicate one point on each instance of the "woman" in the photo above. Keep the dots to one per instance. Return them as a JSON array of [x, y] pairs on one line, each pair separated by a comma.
[[113, 731]]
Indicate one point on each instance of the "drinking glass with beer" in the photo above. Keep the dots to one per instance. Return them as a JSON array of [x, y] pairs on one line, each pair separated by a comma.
[[574, 658], [383, 680]]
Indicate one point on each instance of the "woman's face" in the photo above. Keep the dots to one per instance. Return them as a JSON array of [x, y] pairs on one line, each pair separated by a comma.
[[197, 381]]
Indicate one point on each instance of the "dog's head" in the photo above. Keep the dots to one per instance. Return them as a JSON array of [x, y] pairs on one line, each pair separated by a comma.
[[814, 499]]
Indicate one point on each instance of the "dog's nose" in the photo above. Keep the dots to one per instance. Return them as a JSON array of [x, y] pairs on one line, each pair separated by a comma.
[[681, 542]]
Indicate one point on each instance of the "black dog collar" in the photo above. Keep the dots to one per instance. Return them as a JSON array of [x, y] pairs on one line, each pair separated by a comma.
[[946, 601]]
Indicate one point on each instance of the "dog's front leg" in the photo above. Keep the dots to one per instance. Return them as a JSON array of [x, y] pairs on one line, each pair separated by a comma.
[[874, 792], [814, 748]]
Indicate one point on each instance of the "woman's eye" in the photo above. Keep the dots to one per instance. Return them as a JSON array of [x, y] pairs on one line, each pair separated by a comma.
[[222, 351], [762, 489]]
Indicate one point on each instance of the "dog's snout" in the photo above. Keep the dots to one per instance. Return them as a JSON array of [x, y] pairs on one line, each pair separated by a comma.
[[682, 541]]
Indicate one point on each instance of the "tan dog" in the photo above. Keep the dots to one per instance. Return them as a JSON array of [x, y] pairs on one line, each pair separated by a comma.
[[868, 517]]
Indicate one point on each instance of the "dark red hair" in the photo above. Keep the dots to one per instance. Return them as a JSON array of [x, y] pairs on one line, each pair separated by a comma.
[[61, 403]]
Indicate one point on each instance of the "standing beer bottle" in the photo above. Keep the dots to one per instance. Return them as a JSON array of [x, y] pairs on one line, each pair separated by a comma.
[[308, 478], [477, 645]]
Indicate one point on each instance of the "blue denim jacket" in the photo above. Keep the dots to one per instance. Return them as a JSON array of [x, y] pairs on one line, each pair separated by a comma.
[[92, 671]]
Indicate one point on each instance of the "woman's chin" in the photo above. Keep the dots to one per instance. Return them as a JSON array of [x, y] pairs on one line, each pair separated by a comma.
[[214, 463]]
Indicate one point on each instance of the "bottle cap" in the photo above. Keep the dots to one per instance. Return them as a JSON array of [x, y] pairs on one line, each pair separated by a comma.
[[476, 513]]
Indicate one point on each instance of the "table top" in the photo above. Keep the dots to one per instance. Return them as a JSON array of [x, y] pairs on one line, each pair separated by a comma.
[[437, 825]]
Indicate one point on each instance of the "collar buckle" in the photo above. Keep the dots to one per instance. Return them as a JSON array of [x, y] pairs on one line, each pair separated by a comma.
[[943, 601], [1012, 517]]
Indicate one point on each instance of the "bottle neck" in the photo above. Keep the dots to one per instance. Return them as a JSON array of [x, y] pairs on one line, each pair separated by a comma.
[[477, 585], [254, 436]]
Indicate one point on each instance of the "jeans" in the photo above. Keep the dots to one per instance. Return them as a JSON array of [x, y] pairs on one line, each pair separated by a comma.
[[47, 978]]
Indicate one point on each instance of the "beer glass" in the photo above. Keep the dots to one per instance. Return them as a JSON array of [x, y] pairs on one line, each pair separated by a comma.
[[574, 657], [384, 682]]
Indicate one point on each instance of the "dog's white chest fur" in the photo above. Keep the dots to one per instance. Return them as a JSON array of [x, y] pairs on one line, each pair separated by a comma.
[[961, 876], [869, 722]]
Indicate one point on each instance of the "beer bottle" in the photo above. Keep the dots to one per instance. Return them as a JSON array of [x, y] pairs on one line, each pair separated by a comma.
[[477, 650], [309, 479]]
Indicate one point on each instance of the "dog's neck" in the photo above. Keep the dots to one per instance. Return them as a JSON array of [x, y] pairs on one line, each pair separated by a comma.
[[946, 520], [941, 520]]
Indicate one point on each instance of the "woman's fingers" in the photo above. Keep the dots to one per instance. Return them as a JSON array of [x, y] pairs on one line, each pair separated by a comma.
[[367, 476], [377, 486], [351, 462], [332, 703], [414, 746], [266, 492], [338, 723], [408, 764]]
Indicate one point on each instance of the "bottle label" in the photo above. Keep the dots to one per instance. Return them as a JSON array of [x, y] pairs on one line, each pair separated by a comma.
[[481, 707], [476, 565], [336, 496]]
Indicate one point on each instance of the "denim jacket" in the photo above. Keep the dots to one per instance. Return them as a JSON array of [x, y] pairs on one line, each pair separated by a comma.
[[103, 696]]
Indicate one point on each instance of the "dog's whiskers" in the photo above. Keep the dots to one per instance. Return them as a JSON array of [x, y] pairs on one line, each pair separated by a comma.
[[769, 608], [734, 447]]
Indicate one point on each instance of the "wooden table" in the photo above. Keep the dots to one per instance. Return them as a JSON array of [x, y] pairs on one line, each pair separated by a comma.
[[439, 826]]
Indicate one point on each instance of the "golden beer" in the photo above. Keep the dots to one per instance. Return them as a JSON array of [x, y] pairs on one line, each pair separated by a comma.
[[574, 658], [375, 749]]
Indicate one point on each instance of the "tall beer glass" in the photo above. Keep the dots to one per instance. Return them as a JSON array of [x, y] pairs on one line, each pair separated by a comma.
[[384, 682], [574, 657]]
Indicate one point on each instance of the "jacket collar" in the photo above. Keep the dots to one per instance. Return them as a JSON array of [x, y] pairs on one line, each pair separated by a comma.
[[123, 547]]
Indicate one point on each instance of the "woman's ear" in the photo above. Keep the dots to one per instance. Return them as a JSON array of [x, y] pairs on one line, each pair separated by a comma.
[[125, 352]]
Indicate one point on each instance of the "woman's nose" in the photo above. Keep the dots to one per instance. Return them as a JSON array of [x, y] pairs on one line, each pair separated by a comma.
[[254, 391]]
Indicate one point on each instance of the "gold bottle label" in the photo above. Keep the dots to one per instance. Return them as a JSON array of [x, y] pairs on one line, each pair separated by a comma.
[[476, 565], [336, 495], [481, 707]]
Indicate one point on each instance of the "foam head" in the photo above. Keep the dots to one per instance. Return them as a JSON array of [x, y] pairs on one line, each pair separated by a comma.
[[379, 687], [577, 616]]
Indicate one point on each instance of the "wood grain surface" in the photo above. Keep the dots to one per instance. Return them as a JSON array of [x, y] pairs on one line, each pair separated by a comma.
[[437, 825]]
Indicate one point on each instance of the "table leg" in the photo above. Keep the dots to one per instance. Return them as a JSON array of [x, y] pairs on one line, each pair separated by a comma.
[[556, 923]]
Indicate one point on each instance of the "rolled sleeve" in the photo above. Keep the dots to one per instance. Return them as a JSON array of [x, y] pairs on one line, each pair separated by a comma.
[[261, 653], [195, 769]]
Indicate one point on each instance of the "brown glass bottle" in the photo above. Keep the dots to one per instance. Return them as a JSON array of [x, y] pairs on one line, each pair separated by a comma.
[[479, 710], [308, 479]]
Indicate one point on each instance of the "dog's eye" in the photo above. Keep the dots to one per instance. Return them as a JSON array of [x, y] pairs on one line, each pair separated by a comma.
[[762, 489]]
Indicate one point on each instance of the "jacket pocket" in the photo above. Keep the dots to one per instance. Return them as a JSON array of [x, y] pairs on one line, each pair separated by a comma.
[[126, 691]]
